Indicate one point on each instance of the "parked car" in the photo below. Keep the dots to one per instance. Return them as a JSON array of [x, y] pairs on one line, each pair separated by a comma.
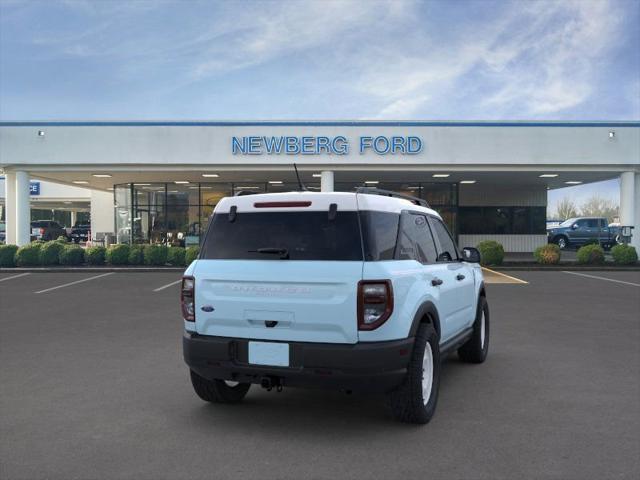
[[582, 230], [353, 291], [80, 232], [3, 232], [47, 230]]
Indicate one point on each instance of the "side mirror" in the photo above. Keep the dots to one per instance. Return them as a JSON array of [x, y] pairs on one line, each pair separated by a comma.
[[574, 226], [471, 255]]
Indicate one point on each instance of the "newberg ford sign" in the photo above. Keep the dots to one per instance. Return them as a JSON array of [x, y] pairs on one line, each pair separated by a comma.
[[337, 145]]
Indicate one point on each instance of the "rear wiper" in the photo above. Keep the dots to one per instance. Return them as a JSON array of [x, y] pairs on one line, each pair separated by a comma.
[[283, 252]]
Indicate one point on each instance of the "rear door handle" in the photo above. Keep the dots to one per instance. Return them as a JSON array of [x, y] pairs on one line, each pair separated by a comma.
[[460, 277], [436, 281]]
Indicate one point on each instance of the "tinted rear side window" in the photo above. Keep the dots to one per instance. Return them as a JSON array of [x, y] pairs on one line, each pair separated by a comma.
[[379, 231], [304, 235], [415, 241]]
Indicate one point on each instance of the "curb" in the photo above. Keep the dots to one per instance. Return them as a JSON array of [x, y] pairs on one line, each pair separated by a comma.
[[568, 268], [91, 269]]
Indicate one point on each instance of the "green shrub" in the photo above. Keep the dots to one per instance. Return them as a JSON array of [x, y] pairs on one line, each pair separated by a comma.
[[547, 254], [624, 254], [136, 255], [72, 255], [176, 256], [62, 239], [155, 255], [8, 255], [118, 254], [50, 253], [29, 255], [491, 252], [95, 255], [592, 241], [190, 254], [590, 254]]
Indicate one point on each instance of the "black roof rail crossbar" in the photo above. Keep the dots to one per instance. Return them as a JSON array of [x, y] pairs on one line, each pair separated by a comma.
[[389, 193]]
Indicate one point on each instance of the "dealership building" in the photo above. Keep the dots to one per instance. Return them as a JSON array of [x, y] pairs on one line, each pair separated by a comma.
[[159, 181]]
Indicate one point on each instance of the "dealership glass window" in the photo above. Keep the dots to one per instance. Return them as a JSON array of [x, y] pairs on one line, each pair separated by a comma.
[[502, 220], [179, 213]]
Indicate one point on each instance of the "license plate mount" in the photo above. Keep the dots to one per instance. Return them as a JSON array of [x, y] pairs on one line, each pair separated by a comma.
[[269, 353]]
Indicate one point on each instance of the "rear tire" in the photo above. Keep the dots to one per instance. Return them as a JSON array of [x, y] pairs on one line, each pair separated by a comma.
[[415, 400], [218, 391], [476, 348]]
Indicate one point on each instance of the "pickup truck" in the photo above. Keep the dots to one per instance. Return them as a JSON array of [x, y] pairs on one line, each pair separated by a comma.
[[582, 230]]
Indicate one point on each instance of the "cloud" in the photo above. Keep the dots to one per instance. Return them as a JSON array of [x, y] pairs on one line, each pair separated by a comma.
[[384, 59], [535, 59], [551, 64]]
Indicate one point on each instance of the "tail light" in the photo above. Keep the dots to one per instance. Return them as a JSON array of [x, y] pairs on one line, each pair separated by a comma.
[[375, 303], [188, 299], [41, 231]]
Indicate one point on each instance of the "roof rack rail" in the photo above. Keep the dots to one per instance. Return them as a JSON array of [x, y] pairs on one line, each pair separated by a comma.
[[389, 193]]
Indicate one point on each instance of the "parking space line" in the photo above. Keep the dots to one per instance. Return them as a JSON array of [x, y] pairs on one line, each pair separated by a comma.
[[167, 285], [74, 283], [513, 279], [602, 278], [14, 276]]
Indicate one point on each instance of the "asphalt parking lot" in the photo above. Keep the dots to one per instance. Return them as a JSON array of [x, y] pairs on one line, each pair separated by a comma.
[[92, 386]]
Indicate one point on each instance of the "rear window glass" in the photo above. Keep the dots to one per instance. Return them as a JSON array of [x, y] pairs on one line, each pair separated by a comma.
[[280, 235]]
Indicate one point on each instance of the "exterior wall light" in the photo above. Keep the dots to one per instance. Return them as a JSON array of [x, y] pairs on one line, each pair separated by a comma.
[[612, 134], [41, 133]]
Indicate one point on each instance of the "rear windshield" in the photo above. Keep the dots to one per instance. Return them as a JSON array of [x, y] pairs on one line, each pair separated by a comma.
[[283, 235]]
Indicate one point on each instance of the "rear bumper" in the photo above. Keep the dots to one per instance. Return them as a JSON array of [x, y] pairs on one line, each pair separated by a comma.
[[369, 367]]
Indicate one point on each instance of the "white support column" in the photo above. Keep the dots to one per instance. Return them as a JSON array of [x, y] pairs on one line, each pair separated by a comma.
[[629, 204], [10, 206], [23, 208], [73, 218], [326, 181], [102, 214]]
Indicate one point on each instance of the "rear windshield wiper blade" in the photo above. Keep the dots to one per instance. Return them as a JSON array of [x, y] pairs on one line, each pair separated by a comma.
[[283, 252]]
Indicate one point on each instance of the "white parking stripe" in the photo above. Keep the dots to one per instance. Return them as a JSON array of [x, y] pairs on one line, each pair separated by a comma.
[[603, 278], [14, 276], [74, 283], [168, 285]]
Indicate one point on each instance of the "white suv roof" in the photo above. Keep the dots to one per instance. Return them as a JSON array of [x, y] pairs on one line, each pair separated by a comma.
[[318, 201]]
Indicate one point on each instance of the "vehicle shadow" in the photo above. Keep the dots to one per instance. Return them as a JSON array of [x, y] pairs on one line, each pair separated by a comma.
[[318, 412]]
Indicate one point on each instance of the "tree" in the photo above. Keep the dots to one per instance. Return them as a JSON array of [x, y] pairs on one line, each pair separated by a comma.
[[597, 206], [565, 209]]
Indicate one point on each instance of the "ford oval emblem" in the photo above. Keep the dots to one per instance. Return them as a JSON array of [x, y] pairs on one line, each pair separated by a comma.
[[207, 308]]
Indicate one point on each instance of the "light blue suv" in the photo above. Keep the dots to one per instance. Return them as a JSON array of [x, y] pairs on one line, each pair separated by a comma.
[[362, 291]]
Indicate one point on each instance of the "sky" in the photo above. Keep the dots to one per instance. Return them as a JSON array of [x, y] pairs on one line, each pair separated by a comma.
[[387, 59]]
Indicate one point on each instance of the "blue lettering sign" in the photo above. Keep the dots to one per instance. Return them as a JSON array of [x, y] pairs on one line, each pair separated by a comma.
[[338, 145], [34, 188]]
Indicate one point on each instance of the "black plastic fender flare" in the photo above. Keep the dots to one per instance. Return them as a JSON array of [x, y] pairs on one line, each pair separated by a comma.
[[426, 310]]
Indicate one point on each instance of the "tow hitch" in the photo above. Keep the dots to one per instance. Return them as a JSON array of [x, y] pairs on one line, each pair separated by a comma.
[[269, 383]]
